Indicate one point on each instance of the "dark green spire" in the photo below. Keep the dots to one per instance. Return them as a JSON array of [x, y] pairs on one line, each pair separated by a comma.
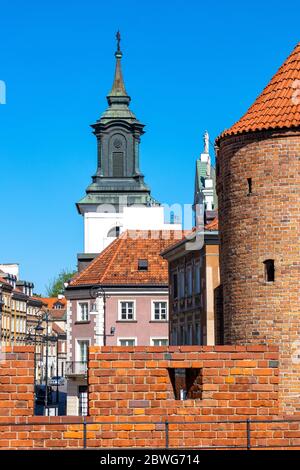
[[118, 88], [118, 99]]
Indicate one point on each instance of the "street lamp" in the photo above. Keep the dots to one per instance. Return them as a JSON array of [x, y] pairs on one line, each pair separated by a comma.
[[99, 292], [37, 330]]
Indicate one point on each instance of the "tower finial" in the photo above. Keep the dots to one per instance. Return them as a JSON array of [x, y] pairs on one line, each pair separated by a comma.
[[118, 37], [118, 92]]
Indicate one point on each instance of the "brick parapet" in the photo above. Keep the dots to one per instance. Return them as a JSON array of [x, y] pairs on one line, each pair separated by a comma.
[[139, 421], [16, 381]]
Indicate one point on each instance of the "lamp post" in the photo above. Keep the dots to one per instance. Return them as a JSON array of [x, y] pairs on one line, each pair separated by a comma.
[[37, 330], [99, 292], [57, 394]]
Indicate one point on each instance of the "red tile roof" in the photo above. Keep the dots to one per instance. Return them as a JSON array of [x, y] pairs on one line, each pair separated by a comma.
[[58, 314], [118, 263], [51, 301], [57, 329], [278, 106]]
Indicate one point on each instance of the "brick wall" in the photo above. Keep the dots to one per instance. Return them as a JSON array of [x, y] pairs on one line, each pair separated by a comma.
[[236, 381], [131, 397], [253, 228], [17, 381]]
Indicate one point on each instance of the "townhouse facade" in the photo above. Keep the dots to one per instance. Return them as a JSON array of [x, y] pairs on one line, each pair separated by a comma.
[[20, 311], [193, 280], [120, 299]]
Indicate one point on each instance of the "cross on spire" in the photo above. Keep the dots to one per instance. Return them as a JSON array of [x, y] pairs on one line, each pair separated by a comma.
[[118, 37]]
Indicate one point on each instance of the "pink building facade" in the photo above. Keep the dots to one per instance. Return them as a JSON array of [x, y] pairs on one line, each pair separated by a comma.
[[120, 299]]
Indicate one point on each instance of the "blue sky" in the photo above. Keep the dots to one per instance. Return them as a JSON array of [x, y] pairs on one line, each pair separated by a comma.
[[188, 66]]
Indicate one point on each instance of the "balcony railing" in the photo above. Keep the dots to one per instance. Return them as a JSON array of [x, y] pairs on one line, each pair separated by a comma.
[[76, 368]]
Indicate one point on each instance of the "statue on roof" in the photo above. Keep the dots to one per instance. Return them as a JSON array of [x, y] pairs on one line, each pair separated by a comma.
[[206, 142]]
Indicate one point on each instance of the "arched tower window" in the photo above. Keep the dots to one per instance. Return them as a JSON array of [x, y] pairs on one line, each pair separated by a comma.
[[269, 270], [118, 164]]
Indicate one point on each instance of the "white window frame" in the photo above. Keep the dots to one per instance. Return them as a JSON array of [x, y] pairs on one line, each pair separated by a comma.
[[77, 352], [79, 310], [120, 301], [153, 301], [152, 338], [122, 338]]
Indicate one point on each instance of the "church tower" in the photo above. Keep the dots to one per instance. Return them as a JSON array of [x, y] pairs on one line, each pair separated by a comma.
[[118, 198]]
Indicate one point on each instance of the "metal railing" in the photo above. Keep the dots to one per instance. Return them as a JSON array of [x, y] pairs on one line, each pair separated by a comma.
[[76, 368], [165, 427]]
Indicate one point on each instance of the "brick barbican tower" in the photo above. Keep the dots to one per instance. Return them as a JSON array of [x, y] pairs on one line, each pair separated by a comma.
[[258, 186]]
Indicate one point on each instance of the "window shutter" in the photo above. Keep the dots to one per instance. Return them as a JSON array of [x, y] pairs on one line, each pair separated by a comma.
[[118, 166]]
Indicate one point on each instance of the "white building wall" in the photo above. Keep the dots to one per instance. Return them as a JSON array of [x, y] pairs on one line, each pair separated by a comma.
[[98, 224]]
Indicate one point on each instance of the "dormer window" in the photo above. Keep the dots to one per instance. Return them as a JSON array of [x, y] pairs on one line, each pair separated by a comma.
[[143, 265]]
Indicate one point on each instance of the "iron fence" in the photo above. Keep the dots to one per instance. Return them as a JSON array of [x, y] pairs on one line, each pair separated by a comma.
[[166, 427]]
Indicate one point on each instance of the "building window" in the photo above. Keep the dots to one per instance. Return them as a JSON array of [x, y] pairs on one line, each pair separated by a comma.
[[249, 181], [198, 333], [159, 311], [173, 338], [83, 400], [159, 341], [190, 334], [182, 336], [269, 270], [83, 311], [143, 265], [127, 341], [197, 279], [189, 281], [83, 350], [126, 310], [118, 164], [175, 286], [181, 284]]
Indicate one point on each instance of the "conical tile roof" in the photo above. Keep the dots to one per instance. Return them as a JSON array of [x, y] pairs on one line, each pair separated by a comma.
[[278, 106]]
